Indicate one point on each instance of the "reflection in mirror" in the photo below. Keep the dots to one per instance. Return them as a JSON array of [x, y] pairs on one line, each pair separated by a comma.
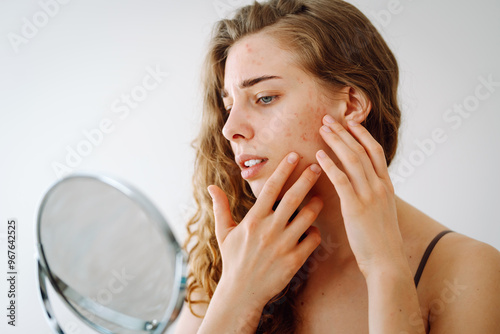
[[110, 257]]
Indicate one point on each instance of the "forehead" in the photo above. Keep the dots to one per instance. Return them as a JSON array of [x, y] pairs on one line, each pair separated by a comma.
[[256, 55]]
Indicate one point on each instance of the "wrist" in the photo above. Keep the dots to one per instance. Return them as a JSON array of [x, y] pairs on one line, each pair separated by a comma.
[[392, 261], [245, 294], [388, 274], [393, 300], [231, 310]]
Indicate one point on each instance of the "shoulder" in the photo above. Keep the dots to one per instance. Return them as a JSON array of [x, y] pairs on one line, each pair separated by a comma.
[[462, 256], [462, 286]]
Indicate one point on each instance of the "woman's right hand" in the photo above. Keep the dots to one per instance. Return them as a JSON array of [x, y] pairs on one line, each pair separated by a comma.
[[262, 253]]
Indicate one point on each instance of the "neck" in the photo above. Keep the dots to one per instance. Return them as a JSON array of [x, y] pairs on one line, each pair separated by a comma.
[[335, 253], [334, 241]]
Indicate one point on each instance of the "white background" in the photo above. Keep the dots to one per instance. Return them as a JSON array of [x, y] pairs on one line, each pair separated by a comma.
[[65, 78]]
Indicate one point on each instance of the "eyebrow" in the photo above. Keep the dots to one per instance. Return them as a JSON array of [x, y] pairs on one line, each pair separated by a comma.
[[250, 82]]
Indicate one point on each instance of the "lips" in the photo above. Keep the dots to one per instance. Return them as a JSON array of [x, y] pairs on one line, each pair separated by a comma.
[[250, 165], [247, 160]]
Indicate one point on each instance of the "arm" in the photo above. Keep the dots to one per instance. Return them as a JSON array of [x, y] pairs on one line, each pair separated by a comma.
[[231, 312], [467, 289], [393, 305], [224, 313], [370, 218], [188, 323]]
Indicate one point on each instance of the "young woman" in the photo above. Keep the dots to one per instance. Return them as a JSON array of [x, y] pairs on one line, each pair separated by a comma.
[[298, 229]]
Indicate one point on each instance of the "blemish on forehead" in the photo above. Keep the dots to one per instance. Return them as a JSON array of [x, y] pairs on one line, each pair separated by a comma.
[[304, 137], [249, 49]]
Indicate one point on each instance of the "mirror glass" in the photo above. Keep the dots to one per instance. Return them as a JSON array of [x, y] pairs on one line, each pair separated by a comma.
[[109, 255]]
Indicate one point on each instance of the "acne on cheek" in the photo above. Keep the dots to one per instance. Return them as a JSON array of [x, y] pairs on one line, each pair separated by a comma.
[[320, 111], [312, 120], [312, 133], [317, 114], [313, 124]]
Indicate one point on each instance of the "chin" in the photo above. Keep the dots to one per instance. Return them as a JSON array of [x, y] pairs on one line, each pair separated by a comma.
[[256, 189]]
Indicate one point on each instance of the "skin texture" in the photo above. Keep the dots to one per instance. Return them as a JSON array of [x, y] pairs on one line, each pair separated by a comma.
[[372, 241], [288, 123]]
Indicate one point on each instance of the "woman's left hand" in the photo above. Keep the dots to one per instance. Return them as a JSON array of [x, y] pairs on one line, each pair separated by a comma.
[[366, 195]]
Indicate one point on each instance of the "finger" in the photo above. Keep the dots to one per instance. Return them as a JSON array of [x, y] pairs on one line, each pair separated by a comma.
[[356, 147], [339, 179], [275, 183], [308, 244], [351, 161], [296, 194], [373, 148], [224, 222], [305, 218]]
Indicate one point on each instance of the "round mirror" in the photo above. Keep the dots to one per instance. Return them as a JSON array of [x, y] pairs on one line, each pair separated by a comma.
[[109, 256]]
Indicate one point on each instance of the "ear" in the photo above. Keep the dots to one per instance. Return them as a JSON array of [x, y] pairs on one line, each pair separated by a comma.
[[356, 105]]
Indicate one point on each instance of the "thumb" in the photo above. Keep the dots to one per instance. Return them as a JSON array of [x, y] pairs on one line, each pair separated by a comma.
[[223, 220]]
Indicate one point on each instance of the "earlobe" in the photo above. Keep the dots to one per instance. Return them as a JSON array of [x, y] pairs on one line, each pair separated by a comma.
[[358, 105]]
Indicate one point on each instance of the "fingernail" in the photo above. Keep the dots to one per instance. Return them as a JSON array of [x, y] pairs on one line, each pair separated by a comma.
[[322, 154], [292, 158], [329, 119], [326, 129], [352, 123], [315, 168]]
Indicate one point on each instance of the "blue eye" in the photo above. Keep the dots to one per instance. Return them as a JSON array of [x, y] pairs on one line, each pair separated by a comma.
[[267, 99]]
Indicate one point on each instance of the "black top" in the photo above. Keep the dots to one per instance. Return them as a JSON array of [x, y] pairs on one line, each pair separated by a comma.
[[425, 257]]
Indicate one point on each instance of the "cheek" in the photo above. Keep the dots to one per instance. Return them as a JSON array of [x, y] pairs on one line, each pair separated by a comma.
[[305, 124], [310, 125], [290, 127]]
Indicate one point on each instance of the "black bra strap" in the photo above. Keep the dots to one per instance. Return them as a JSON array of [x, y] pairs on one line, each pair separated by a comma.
[[425, 257]]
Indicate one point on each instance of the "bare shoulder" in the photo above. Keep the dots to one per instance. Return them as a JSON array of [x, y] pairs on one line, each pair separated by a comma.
[[462, 256], [462, 286], [190, 319]]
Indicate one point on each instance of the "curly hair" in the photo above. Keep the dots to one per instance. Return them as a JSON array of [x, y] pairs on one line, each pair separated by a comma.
[[334, 42]]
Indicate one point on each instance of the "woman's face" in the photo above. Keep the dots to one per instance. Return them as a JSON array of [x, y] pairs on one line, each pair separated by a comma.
[[274, 108]]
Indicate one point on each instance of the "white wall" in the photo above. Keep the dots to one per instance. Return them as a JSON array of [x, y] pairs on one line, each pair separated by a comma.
[[65, 78]]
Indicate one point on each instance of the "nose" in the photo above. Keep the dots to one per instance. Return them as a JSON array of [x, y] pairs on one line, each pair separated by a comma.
[[238, 125]]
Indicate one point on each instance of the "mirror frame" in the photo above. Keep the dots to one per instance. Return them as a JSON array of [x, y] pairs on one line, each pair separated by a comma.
[[44, 273]]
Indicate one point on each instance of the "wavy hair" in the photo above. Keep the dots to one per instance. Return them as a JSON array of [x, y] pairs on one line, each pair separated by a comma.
[[334, 42]]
